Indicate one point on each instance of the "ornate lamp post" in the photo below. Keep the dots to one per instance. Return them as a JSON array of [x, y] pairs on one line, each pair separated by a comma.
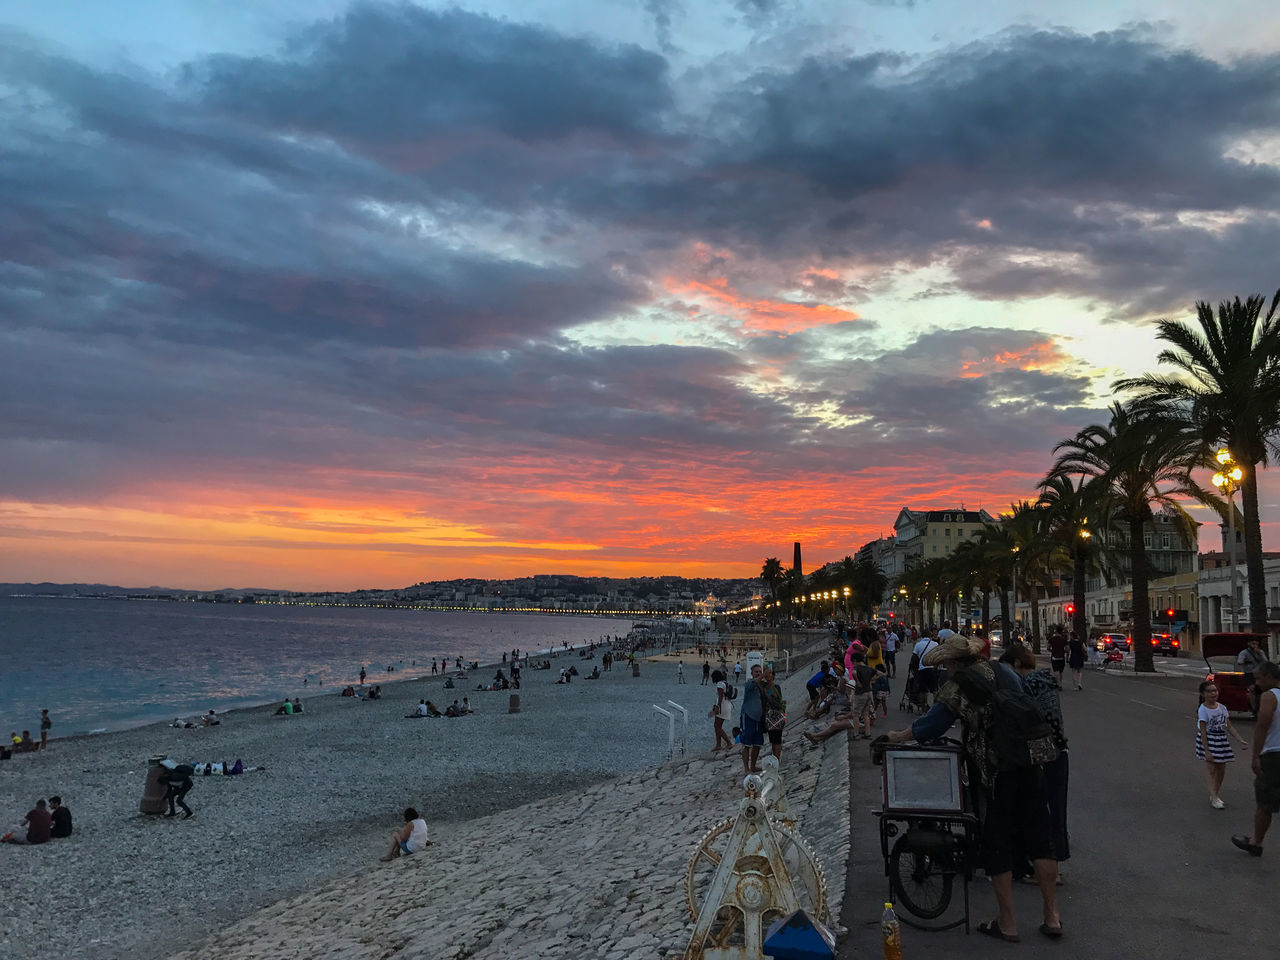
[[1227, 481]]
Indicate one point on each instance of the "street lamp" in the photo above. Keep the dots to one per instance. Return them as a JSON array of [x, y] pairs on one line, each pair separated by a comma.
[[847, 591], [1227, 481]]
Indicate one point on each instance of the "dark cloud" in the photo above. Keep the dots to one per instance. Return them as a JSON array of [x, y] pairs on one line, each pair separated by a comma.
[[383, 74]]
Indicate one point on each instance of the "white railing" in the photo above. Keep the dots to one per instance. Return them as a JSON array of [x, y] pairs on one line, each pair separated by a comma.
[[677, 733]]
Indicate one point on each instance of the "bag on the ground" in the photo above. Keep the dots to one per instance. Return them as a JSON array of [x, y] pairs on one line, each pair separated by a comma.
[[1020, 735]]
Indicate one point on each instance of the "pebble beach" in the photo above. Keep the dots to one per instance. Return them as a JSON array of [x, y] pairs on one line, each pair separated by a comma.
[[336, 779]]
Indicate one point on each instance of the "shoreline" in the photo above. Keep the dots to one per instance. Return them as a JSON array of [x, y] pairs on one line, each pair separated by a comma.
[[336, 778]]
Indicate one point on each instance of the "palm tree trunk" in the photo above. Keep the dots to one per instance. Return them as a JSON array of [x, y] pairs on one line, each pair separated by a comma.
[[1253, 553], [1035, 617], [986, 612], [1143, 661], [1077, 592], [1006, 622]]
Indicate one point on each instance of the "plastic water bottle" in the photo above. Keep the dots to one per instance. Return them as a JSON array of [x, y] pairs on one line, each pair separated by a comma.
[[892, 933]]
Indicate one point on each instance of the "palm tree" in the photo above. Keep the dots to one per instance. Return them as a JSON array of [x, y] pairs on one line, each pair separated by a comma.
[[771, 574], [1076, 516], [867, 584], [1227, 386], [1026, 526], [997, 548], [1138, 461]]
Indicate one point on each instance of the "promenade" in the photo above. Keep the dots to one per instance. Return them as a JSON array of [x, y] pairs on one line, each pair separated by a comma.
[[1152, 872]]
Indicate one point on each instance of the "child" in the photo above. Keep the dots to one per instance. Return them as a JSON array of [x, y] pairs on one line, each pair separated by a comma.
[[880, 689], [1212, 746], [863, 707]]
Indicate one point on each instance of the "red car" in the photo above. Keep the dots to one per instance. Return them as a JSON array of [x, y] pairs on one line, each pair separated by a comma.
[[1220, 652]]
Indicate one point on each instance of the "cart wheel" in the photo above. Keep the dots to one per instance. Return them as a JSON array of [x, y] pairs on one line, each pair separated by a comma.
[[919, 881]]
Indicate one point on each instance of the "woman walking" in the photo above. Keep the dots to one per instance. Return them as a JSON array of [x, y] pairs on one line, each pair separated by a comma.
[[722, 711], [1075, 657], [1212, 746]]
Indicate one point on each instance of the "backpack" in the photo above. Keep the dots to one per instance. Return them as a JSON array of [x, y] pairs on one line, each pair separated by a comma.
[[1020, 735], [730, 691]]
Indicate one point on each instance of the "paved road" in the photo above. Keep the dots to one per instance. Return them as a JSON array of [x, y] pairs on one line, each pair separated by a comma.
[[1153, 872]]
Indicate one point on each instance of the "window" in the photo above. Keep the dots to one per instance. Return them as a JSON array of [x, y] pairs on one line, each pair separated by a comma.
[[935, 548], [947, 532], [1146, 540], [1164, 541]]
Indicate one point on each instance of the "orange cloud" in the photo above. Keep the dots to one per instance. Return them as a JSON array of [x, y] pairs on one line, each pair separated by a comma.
[[759, 316], [1044, 355]]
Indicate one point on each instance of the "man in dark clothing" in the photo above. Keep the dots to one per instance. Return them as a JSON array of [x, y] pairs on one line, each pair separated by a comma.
[[1012, 808], [1058, 655], [37, 823], [180, 783], [61, 818]]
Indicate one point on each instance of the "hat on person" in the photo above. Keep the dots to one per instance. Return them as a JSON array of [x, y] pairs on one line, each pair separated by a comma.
[[955, 647]]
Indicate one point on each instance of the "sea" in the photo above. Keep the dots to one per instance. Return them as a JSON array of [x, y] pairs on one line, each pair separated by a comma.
[[103, 665]]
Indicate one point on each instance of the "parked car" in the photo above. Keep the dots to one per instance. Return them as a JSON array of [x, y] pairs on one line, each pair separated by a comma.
[[1114, 641], [1220, 652], [1165, 644]]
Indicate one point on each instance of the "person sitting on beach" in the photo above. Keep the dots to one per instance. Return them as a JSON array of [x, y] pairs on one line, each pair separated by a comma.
[[448, 683], [297, 705], [285, 709], [453, 710], [410, 838], [349, 691], [419, 712], [60, 817], [374, 694], [34, 828], [27, 744], [210, 719], [564, 677], [465, 708], [593, 675], [825, 701]]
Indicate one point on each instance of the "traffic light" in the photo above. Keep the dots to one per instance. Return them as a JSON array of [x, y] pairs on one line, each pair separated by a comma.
[[1170, 613], [1071, 608]]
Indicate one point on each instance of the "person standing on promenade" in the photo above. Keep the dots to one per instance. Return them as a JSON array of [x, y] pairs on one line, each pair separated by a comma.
[[1015, 817], [1266, 758], [45, 725], [1058, 654], [775, 711], [1075, 658], [1041, 686], [737, 673], [680, 672], [891, 652], [706, 671], [1213, 723], [751, 720], [722, 712]]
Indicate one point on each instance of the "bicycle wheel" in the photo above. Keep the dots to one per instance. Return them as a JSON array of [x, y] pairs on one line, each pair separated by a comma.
[[919, 881]]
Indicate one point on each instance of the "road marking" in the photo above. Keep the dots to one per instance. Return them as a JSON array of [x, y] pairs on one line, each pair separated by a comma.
[[1151, 705]]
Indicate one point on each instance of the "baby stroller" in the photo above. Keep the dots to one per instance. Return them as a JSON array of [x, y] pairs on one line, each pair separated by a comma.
[[911, 695]]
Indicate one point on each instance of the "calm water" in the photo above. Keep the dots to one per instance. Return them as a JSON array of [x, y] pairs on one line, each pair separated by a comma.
[[111, 664]]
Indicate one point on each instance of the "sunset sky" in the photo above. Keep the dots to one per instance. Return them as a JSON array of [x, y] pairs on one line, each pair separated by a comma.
[[314, 294]]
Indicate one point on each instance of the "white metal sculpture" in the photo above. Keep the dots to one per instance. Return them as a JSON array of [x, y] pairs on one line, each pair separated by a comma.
[[747, 872]]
